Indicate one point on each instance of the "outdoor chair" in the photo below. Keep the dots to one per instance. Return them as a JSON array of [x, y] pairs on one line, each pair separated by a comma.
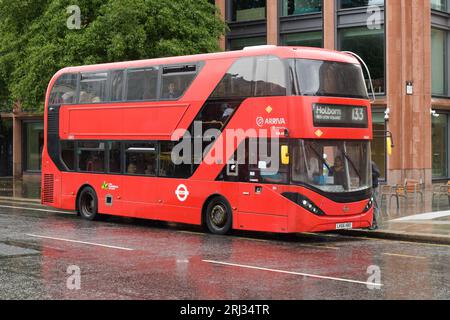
[[412, 188], [440, 191], [388, 192]]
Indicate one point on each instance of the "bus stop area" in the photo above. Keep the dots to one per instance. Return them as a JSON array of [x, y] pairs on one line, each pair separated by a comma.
[[421, 217]]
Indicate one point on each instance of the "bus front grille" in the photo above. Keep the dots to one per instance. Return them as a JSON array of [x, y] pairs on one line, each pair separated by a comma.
[[48, 188]]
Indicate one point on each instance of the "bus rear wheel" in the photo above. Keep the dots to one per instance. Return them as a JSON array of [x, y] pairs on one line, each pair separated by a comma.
[[88, 204], [218, 216]]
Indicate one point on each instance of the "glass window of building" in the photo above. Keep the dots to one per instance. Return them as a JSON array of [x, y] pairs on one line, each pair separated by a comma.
[[346, 4], [439, 146], [440, 5], [438, 61], [6, 147], [241, 43], [248, 10], [379, 141], [303, 39], [370, 46], [294, 7], [34, 142]]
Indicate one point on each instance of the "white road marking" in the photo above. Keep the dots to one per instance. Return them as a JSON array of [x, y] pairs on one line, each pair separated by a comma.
[[293, 273], [81, 242], [35, 209], [14, 202], [424, 216], [402, 255]]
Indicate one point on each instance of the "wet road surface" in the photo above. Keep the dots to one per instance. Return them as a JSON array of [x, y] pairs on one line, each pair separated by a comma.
[[135, 259]]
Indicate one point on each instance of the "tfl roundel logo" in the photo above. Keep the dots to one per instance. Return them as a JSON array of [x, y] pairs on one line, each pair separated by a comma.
[[182, 193]]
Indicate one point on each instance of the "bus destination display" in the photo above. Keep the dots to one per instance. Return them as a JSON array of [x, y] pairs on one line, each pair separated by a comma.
[[327, 115]]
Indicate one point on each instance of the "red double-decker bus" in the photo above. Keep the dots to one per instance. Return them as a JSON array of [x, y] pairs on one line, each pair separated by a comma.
[[268, 138]]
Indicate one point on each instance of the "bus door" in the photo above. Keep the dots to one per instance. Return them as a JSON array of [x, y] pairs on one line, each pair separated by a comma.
[[110, 188], [140, 182], [262, 180]]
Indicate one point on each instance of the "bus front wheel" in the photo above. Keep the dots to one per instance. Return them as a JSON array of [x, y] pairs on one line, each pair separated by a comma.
[[219, 216], [88, 204]]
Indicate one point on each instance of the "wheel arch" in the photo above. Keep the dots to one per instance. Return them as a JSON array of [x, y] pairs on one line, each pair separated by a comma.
[[79, 192], [207, 201]]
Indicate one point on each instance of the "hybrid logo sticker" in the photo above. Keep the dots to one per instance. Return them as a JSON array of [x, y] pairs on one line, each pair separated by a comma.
[[109, 186], [182, 193]]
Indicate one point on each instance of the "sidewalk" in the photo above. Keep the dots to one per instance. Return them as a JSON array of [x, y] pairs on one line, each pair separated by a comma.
[[28, 190], [417, 222], [420, 222]]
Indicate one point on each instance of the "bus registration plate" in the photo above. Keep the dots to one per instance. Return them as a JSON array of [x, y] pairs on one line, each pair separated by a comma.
[[344, 226]]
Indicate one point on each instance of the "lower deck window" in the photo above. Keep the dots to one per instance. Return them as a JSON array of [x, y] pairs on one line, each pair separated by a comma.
[[91, 156]]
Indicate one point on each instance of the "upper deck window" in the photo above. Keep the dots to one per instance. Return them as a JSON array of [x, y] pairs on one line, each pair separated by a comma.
[[117, 85], [93, 87], [270, 77], [176, 80], [253, 76], [64, 90], [328, 78], [142, 84]]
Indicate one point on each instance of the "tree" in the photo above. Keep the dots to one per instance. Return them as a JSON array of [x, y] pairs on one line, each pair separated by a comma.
[[35, 41]]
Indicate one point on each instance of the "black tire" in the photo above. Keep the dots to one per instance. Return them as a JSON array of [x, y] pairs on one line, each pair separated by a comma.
[[88, 204], [219, 216]]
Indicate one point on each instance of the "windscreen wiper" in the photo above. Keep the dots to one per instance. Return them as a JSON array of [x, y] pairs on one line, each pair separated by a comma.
[[320, 157], [351, 162]]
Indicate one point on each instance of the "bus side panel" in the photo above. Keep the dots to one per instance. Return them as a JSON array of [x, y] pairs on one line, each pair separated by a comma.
[[156, 119]]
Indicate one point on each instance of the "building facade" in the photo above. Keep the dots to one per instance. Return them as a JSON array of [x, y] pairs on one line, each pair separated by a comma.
[[404, 42], [21, 143]]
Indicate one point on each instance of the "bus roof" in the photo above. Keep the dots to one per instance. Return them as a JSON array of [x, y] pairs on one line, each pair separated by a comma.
[[282, 52]]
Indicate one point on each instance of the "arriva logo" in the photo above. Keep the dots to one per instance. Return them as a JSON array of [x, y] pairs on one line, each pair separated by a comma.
[[260, 122]]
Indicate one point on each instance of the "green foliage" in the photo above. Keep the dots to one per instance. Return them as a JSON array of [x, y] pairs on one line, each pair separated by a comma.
[[35, 41]]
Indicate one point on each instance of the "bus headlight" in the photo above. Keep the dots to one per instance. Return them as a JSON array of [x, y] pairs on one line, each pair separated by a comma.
[[369, 205], [305, 203]]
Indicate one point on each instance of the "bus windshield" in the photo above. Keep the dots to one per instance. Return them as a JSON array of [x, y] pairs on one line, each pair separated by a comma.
[[328, 78], [332, 166]]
